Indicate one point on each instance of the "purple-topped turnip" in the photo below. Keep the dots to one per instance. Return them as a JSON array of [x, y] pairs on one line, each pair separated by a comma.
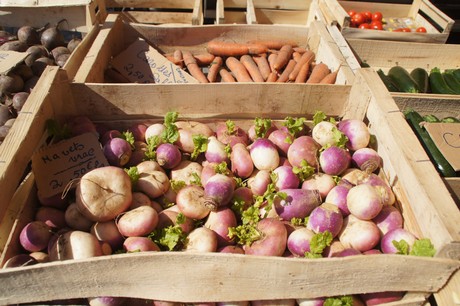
[[298, 203]]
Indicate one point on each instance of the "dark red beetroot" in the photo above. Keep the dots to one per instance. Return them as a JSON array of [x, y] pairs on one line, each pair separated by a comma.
[[299, 203], [273, 239]]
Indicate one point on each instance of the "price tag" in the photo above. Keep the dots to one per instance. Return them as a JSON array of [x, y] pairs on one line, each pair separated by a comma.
[[9, 59], [446, 136], [56, 165], [141, 63]]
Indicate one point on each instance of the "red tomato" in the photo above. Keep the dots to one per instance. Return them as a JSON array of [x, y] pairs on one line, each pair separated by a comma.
[[364, 26], [351, 13], [397, 30], [406, 30], [420, 30], [376, 25], [377, 16], [358, 18], [368, 16]]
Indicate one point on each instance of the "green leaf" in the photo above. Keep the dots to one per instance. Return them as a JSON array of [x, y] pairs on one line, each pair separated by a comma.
[[240, 182], [196, 179], [55, 130], [231, 128], [152, 144], [339, 301], [304, 172], [177, 185], [318, 117], [261, 127], [172, 237], [228, 150], [129, 137], [402, 246], [423, 247], [133, 175], [222, 168], [244, 234], [299, 221], [318, 243], [294, 126], [339, 138], [171, 132], [201, 145]]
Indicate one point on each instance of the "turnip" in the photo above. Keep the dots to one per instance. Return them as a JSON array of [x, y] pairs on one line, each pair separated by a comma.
[[138, 154], [51, 216], [74, 245], [108, 135], [284, 302], [377, 298], [320, 181], [168, 217], [298, 241], [298, 203], [76, 220], [187, 171], [218, 191], [20, 260], [326, 217], [201, 239], [282, 141], [389, 218], [358, 234], [357, 132], [386, 194], [140, 199], [262, 128], [117, 151], [338, 196], [241, 303], [104, 193], [241, 161], [273, 239], [264, 154], [259, 181], [211, 169], [347, 252], [40, 256], [387, 244], [229, 133], [243, 197], [108, 232], [216, 151], [152, 180], [137, 222], [334, 160], [138, 131], [187, 130], [333, 249], [233, 249], [107, 301], [154, 130], [364, 202], [220, 221], [372, 252], [191, 202], [286, 178], [311, 302], [140, 244], [303, 148], [366, 159], [168, 155], [79, 125], [326, 134]]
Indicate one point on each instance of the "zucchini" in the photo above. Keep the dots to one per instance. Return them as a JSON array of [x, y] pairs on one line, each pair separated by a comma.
[[451, 81], [438, 84], [441, 164], [431, 118], [403, 79], [456, 73], [420, 76], [450, 120], [390, 85]]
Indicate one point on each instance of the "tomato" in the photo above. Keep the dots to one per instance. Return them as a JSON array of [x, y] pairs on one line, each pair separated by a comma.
[[358, 18], [397, 30], [406, 30], [376, 25], [351, 13], [420, 30], [364, 26], [377, 16], [368, 16]]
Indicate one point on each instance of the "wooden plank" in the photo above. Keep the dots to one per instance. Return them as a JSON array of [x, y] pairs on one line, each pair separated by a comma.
[[450, 294], [178, 4], [275, 16], [159, 17]]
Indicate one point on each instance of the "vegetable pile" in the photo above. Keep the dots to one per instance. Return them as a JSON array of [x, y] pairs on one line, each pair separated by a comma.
[[367, 20], [45, 46], [292, 188]]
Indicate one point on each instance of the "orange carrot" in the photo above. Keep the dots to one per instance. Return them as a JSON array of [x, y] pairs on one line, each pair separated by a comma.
[[272, 77], [193, 67], [301, 50], [263, 65], [222, 48], [318, 73], [274, 44], [214, 69], [238, 69], [296, 56], [330, 78], [284, 77], [283, 57], [226, 76], [178, 59], [308, 56], [252, 68], [172, 58], [271, 60], [204, 59], [302, 76]]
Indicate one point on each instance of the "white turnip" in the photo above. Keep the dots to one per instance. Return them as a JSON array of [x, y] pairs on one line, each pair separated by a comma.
[[334, 160], [52, 217], [40, 256], [140, 221], [377, 298], [386, 194], [389, 218], [108, 232], [233, 249], [347, 252], [264, 154], [107, 301], [241, 161], [220, 221], [168, 155], [108, 135], [74, 245], [154, 130], [298, 203], [282, 141], [326, 217], [138, 131], [187, 130], [140, 244], [20, 260], [319, 181], [186, 171], [201, 239], [218, 191], [366, 159], [286, 178], [191, 202], [303, 148], [76, 220], [358, 234], [311, 302], [259, 181], [273, 239], [364, 202], [140, 199], [357, 132], [153, 180], [396, 235], [215, 151], [338, 196], [298, 241], [168, 217], [229, 133], [326, 134]]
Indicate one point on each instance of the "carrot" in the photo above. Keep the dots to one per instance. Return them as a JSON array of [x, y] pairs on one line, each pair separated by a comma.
[[272, 77], [178, 59], [226, 76], [303, 73], [193, 67], [284, 77], [308, 56], [222, 48], [283, 57], [263, 65], [301, 50], [318, 73], [204, 59], [170, 57], [271, 60], [274, 44], [214, 69], [330, 78], [238, 69], [252, 68], [296, 56]]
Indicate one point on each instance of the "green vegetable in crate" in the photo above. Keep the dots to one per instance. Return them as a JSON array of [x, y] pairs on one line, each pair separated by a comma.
[[450, 120], [389, 83], [451, 81], [421, 77], [438, 83], [431, 118], [455, 72], [441, 164], [403, 79]]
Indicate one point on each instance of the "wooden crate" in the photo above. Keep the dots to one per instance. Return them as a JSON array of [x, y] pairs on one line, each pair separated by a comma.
[[262, 12], [188, 12], [426, 214], [384, 55], [421, 12], [117, 35], [81, 15]]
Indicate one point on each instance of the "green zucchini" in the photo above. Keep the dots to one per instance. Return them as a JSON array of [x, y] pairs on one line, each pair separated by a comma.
[[420, 76], [441, 164], [450, 120], [456, 73], [451, 81], [431, 118], [390, 85], [437, 83], [403, 79]]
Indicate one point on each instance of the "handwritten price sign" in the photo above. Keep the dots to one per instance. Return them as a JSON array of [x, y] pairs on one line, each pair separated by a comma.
[[446, 136]]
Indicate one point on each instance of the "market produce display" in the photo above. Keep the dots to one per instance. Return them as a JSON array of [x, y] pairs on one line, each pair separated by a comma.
[[375, 21], [291, 188]]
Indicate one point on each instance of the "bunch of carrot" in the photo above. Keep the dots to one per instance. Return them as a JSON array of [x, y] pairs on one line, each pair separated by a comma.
[[261, 61]]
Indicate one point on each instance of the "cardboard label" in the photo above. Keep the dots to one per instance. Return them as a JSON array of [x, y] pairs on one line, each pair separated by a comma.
[[141, 63], [9, 59], [446, 136], [56, 165]]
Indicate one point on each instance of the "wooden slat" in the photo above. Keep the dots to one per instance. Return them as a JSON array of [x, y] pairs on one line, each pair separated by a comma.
[[450, 294], [274, 16], [178, 4]]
